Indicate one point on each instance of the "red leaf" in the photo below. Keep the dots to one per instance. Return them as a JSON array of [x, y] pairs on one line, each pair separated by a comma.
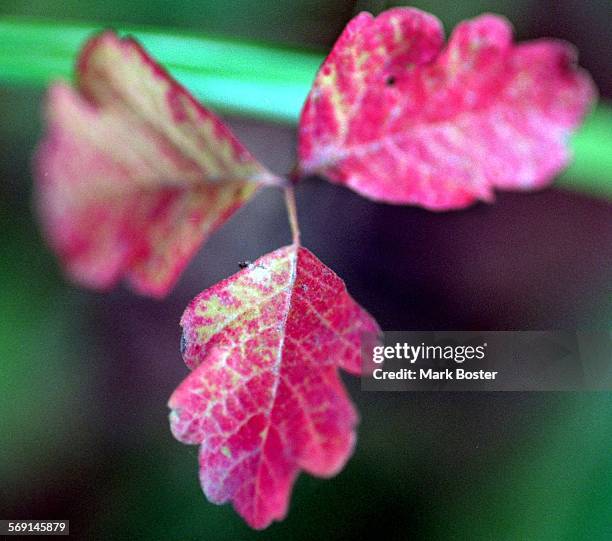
[[134, 173], [399, 118], [265, 399]]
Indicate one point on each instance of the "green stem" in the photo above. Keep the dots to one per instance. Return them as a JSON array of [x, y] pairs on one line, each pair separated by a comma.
[[259, 80], [590, 171], [238, 77]]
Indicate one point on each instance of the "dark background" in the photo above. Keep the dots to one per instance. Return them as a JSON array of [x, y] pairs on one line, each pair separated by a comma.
[[84, 377]]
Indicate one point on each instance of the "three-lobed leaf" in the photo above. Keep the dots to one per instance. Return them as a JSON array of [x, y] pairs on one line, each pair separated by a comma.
[[401, 118], [134, 173], [265, 399]]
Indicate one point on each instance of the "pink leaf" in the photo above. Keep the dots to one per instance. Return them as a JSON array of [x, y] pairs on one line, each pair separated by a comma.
[[400, 118], [134, 174], [265, 399]]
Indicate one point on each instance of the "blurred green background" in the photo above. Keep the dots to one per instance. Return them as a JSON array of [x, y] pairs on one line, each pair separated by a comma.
[[84, 377]]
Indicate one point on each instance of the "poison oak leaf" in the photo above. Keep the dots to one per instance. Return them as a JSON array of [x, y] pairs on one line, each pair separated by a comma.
[[134, 173], [399, 117], [265, 399]]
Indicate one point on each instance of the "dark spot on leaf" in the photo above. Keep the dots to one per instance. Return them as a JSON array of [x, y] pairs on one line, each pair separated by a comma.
[[183, 346], [390, 80], [244, 264]]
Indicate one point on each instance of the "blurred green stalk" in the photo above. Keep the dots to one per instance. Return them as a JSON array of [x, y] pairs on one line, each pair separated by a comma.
[[260, 80], [238, 77]]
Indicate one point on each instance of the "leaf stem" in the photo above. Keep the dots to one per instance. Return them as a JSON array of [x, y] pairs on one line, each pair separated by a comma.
[[292, 214]]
